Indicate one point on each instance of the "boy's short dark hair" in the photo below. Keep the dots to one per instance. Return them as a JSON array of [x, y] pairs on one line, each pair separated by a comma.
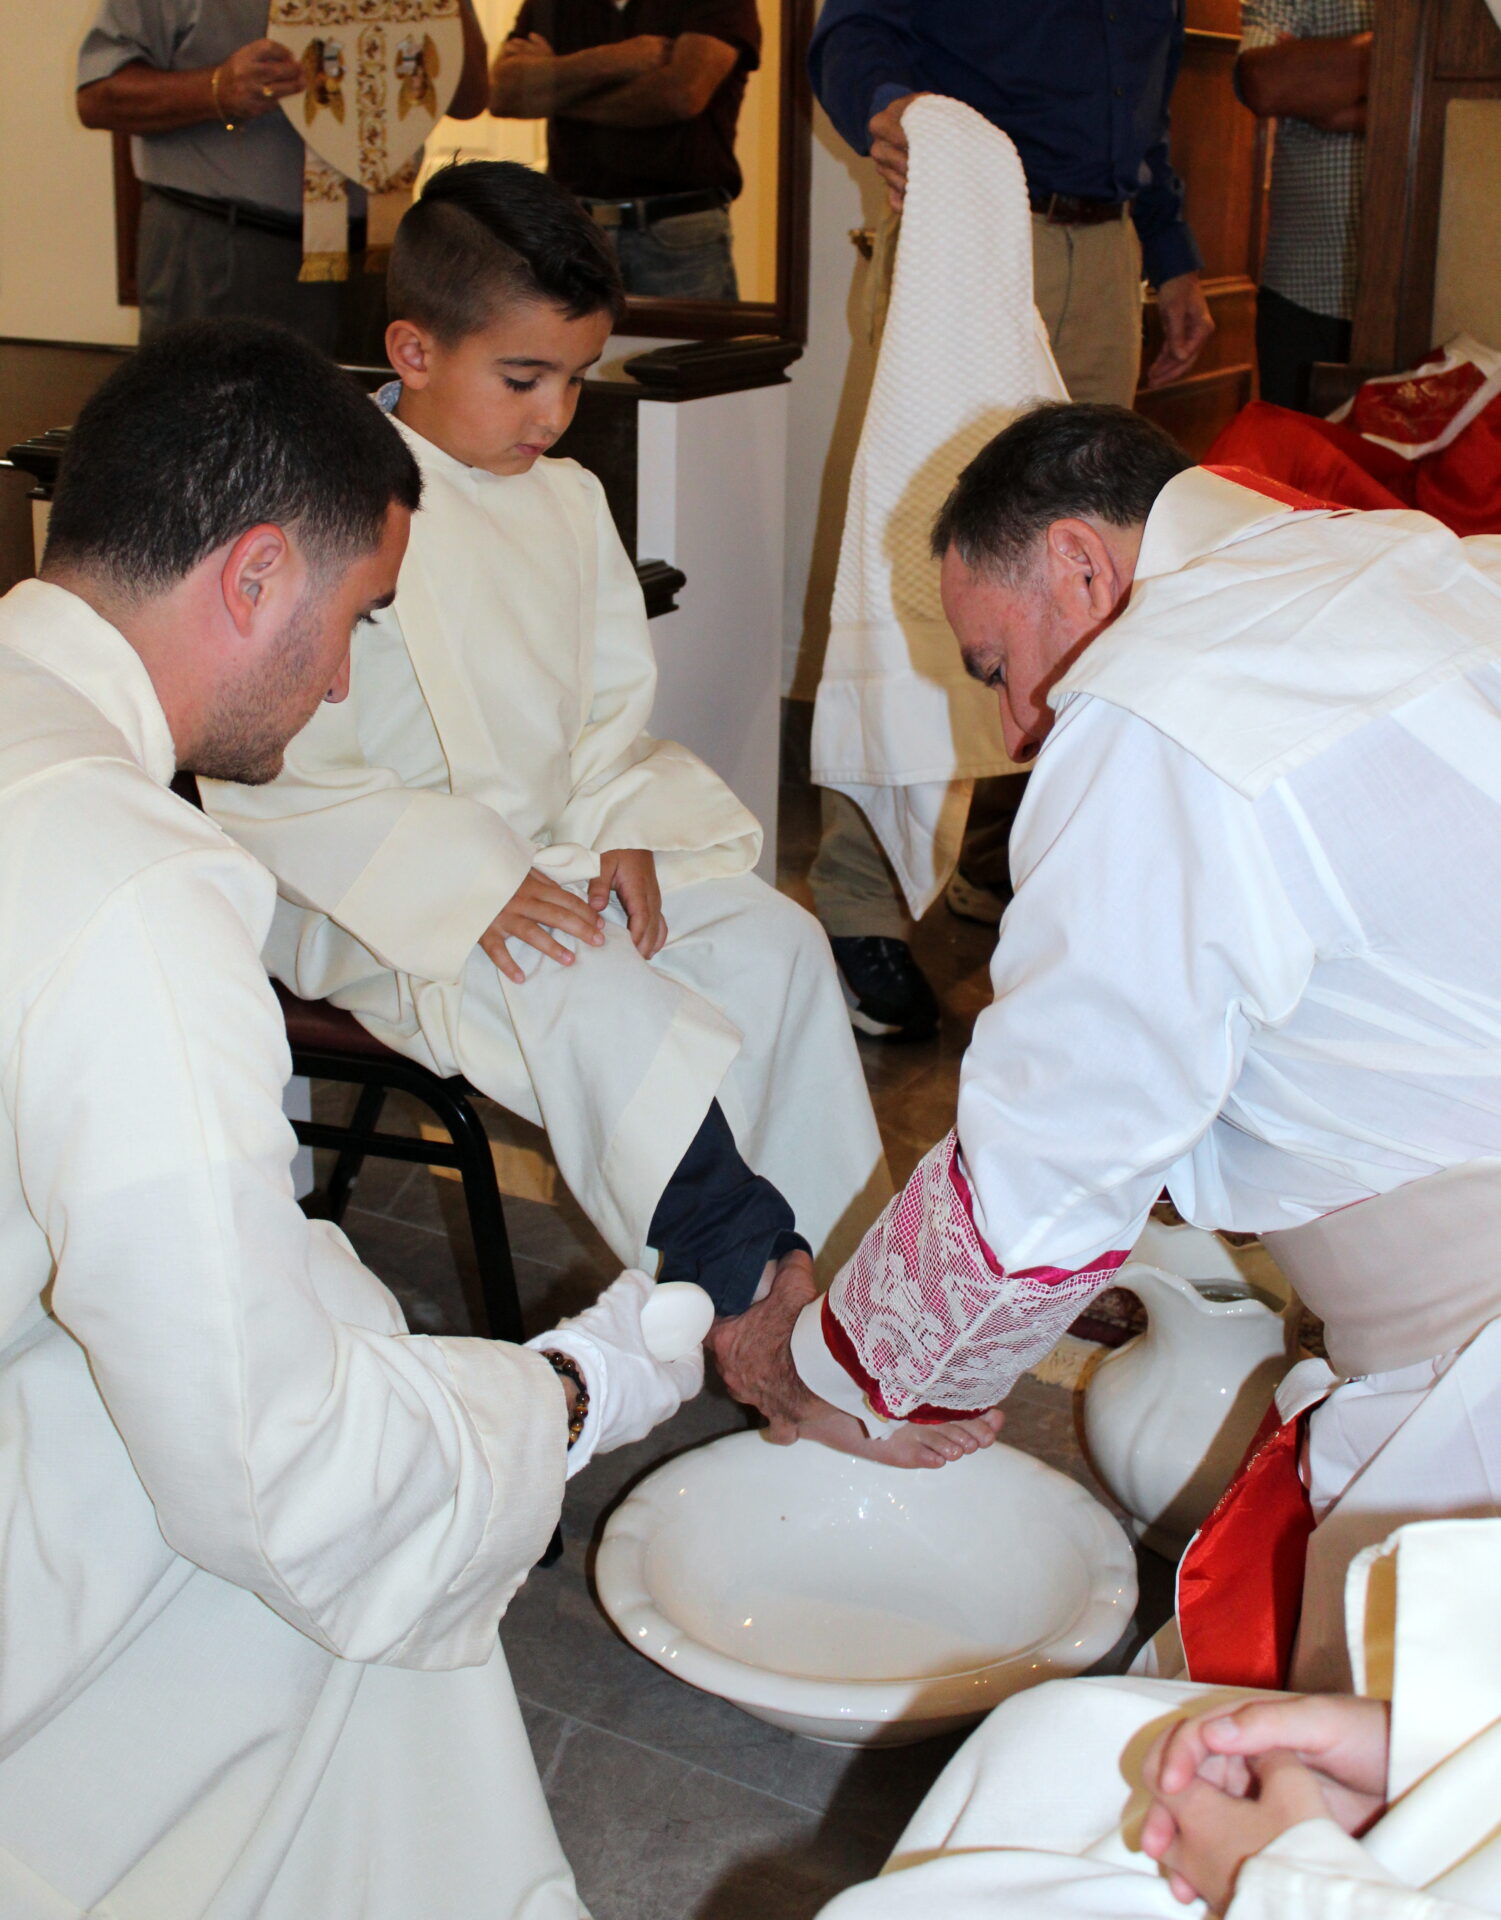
[[1058, 461], [487, 234], [211, 429]]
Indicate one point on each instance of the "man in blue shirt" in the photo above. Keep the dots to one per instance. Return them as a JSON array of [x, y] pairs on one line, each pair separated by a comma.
[[1082, 88]]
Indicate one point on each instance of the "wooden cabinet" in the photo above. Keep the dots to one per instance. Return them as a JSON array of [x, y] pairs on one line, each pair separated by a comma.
[[1222, 151]]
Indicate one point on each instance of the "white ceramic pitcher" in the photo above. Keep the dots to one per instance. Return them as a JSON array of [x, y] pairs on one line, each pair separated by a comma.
[[1168, 1417]]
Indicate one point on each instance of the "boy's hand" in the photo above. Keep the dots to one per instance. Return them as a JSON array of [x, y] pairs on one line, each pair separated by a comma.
[[1227, 1783], [631, 872], [1204, 1836], [537, 905]]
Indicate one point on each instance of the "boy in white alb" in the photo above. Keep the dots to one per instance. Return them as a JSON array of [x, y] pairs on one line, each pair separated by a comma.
[[484, 856]]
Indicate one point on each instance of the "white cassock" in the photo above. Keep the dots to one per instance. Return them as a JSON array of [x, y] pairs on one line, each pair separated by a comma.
[[496, 722], [257, 1538], [1252, 958], [1036, 1816]]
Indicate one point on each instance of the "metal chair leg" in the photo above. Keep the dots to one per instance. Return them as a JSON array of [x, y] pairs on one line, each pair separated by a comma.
[[467, 1151], [367, 1112]]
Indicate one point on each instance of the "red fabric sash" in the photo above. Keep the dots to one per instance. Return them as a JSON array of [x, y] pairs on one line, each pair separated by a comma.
[[1240, 1585]]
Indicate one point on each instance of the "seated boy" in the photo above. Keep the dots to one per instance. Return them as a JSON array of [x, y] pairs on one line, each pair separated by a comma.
[[484, 856]]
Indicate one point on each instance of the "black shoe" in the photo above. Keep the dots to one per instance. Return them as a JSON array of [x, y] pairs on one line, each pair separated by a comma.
[[887, 994]]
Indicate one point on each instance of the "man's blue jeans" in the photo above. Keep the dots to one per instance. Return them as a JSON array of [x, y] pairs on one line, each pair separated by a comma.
[[684, 257]]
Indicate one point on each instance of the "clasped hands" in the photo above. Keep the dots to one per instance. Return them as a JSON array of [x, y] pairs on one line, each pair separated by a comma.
[[540, 909], [1228, 1782]]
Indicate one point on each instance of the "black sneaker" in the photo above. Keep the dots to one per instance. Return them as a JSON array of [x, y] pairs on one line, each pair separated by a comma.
[[884, 986]]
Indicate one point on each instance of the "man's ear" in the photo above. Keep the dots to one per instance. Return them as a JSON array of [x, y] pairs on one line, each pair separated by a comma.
[[1085, 570], [257, 578], [409, 348]]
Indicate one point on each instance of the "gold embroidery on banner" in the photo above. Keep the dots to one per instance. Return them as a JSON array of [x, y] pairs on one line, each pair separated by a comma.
[[370, 85]]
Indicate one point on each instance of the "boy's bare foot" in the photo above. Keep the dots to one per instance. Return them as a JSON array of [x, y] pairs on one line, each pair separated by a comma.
[[911, 1446]]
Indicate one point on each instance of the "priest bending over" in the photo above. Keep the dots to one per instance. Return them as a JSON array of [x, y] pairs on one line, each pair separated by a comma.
[[484, 855], [1252, 958], [255, 1537]]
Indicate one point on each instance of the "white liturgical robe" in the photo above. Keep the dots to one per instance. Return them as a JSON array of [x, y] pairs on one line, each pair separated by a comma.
[[1036, 1815], [1252, 958], [496, 722], [257, 1537]]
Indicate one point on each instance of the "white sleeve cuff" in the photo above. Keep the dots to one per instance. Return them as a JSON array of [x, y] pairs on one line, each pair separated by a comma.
[[822, 1374]]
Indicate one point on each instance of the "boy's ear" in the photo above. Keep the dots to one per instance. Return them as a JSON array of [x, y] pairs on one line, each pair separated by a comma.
[[409, 348]]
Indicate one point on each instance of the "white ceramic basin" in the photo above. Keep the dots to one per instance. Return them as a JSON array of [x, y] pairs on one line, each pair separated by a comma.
[[860, 1604]]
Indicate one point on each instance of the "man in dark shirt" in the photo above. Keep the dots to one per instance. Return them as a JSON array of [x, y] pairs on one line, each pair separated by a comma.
[[641, 102]]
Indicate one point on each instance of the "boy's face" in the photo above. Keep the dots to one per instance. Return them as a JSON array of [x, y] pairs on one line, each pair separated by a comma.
[[499, 398]]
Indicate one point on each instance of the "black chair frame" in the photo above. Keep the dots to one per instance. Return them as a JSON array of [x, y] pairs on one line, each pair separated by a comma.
[[467, 1151]]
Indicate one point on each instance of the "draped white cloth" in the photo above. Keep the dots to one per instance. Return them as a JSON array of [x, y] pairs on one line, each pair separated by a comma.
[[1037, 1813], [897, 724], [249, 1521], [495, 722], [1252, 953]]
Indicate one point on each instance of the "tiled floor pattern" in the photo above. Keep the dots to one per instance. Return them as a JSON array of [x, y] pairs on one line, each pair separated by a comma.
[[673, 1805]]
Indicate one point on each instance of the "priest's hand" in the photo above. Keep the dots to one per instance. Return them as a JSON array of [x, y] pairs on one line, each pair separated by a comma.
[[753, 1351], [538, 909], [631, 874], [1225, 1785]]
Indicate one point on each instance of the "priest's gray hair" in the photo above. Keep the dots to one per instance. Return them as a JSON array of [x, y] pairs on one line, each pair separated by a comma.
[[1062, 460]]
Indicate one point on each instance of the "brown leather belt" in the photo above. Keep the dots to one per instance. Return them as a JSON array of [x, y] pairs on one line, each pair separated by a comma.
[[1067, 210]]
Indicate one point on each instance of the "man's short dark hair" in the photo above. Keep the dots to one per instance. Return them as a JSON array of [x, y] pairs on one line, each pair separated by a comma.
[[488, 234], [1059, 461], [213, 428]]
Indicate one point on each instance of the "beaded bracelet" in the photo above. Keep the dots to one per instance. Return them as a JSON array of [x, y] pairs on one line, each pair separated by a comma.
[[568, 1368]]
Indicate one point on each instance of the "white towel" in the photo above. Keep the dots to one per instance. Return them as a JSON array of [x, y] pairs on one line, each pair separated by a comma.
[[897, 725]]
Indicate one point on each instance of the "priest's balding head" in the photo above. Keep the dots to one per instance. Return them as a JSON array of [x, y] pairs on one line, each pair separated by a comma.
[[234, 505], [1038, 544]]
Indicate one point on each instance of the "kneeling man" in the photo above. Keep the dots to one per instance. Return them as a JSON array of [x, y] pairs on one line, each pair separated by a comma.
[[1251, 958], [255, 1538]]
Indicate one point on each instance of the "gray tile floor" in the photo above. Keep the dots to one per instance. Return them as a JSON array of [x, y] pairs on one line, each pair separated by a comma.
[[673, 1805]]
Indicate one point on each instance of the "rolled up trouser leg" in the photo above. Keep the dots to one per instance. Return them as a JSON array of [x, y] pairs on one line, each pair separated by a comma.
[[718, 1223]]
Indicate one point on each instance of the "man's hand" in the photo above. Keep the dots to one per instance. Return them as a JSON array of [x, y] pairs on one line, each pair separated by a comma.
[[1186, 325], [754, 1351], [254, 79], [888, 147], [631, 873], [538, 904], [1227, 1784]]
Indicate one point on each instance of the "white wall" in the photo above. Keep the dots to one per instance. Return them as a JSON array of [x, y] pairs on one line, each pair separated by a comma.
[[57, 204], [830, 386], [1467, 280]]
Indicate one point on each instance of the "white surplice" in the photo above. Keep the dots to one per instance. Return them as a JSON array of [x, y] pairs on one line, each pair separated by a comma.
[[496, 721], [1252, 958], [1036, 1815], [256, 1537]]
